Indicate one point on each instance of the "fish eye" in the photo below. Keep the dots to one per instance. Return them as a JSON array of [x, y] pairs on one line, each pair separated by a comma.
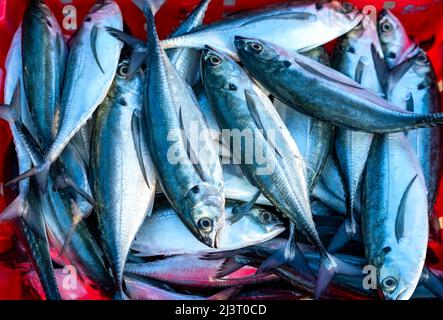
[[256, 47], [347, 7], [88, 19], [389, 284], [123, 70], [205, 224], [319, 5], [265, 217], [386, 27], [422, 58], [214, 60]]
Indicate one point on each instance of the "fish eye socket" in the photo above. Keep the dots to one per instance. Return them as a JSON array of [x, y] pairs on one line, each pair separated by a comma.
[[319, 5], [205, 224], [386, 27], [422, 58], [123, 70], [214, 60], [256, 47], [389, 284], [347, 7], [265, 216]]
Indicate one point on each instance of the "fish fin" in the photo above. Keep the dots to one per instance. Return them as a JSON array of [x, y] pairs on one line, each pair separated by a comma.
[[42, 176], [225, 254], [28, 174], [329, 267], [189, 149], [427, 44], [359, 69], [155, 5], [410, 102], [239, 210], [381, 67], [63, 181], [5, 113], [250, 101], [138, 57], [13, 210], [230, 265], [11, 113], [304, 16], [397, 73], [94, 33], [431, 282], [226, 294], [77, 217], [399, 219], [348, 230], [137, 136]]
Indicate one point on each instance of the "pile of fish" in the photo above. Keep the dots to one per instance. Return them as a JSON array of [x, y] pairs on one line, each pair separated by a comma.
[[233, 160]]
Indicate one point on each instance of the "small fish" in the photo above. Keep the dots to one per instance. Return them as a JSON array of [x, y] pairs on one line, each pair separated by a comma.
[[164, 234]]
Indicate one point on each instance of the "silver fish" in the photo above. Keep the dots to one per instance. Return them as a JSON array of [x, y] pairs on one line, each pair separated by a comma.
[[295, 26], [123, 179], [354, 58], [192, 180], [324, 93], [396, 44], [192, 271], [164, 234], [416, 91], [90, 70], [44, 53], [394, 217]]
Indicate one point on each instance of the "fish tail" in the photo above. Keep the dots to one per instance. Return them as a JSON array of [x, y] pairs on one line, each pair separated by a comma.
[[28, 174], [41, 175], [13, 211], [226, 294], [434, 119], [77, 217]]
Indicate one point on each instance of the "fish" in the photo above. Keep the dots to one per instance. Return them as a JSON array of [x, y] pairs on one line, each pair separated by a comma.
[[123, 176], [354, 58], [191, 271], [44, 54], [416, 90], [295, 26], [155, 235], [147, 289], [91, 67], [394, 216], [241, 107], [313, 137], [396, 44], [173, 127], [348, 105]]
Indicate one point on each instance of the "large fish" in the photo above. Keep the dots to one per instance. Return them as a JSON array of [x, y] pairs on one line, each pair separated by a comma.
[[192, 271], [44, 53], [313, 137], [295, 26], [353, 56], [266, 152], [325, 93], [396, 44], [123, 178], [90, 70], [164, 234], [394, 217], [188, 167], [416, 90]]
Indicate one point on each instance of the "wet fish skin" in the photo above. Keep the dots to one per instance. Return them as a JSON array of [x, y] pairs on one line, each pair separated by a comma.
[[291, 19], [396, 44], [348, 105], [124, 197], [194, 187], [417, 89], [313, 137], [394, 217], [44, 54], [154, 237], [87, 81], [191, 271]]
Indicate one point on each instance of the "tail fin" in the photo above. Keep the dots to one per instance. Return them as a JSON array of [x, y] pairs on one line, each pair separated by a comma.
[[77, 217], [63, 181], [349, 230], [226, 294], [13, 211], [432, 282]]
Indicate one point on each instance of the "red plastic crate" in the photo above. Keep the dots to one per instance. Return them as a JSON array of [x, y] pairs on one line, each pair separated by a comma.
[[422, 19]]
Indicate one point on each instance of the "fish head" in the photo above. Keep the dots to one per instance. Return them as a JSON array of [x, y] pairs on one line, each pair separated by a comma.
[[339, 14], [261, 56], [39, 10], [219, 71], [398, 275], [101, 9], [204, 213], [422, 70], [393, 37]]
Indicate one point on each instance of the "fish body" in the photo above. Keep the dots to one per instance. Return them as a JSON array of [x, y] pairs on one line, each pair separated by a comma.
[[324, 93], [163, 233], [192, 180], [394, 216], [417, 90], [123, 195], [44, 53], [301, 26]]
